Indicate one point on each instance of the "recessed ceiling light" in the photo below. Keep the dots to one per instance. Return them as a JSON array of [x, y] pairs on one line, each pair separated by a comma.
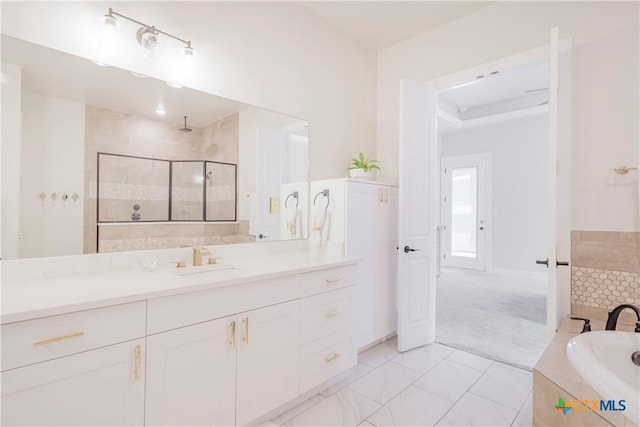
[[138, 75], [160, 111], [174, 85]]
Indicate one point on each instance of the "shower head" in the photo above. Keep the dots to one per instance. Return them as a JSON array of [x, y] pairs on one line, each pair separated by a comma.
[[185, 128]]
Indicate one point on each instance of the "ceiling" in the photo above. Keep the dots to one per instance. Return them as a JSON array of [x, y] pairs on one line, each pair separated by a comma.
[[380, 24], [111, 88], [508, 90]]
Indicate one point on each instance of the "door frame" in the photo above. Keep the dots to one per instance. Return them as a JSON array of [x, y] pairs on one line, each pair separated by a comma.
[[486, 157], [558, 297]]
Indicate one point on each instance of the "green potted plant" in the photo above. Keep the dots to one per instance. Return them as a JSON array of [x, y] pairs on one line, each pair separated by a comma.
[[362, 167]]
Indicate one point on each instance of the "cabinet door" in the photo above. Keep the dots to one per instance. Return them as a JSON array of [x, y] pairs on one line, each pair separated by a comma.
[[98, 387], [363, 202], [268, 360], [191, 375]]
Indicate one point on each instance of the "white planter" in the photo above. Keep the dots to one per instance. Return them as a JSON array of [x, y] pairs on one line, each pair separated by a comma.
[[360, 174]]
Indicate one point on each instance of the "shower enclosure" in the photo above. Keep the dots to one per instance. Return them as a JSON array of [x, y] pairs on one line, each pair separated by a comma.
[[139, 189]]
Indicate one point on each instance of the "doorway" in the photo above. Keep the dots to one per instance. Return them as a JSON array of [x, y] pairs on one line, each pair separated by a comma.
[[464, 203], [493, 141]]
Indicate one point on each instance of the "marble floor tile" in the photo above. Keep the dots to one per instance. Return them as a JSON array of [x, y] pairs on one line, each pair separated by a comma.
[[449, 379], [470, 360], [423, 358], [384, 382], [473, 410], [413, 407], [344, 408], [525, 416], [353, 374], [378, 355], [505, 385], [296, 410]]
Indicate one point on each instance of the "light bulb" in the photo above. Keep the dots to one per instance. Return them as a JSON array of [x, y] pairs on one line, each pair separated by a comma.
[[160, 111], [110, 22]]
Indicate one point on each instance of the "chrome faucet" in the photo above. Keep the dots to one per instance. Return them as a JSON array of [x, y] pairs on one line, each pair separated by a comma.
[[612, 320], [197, 255]]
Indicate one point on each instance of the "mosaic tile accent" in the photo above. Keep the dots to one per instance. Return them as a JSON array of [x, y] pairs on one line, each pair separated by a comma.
[[119, 245], [595, 287]]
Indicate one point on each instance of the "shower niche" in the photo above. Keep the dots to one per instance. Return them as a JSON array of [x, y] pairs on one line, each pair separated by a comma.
[[140, 189]]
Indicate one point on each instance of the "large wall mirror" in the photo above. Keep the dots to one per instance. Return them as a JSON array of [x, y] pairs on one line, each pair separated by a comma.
[[108, 162]]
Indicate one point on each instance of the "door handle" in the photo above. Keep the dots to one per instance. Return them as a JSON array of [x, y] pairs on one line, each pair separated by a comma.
[[262, 236], [545, 262], [558, 263], [481, 228], [407, 249]]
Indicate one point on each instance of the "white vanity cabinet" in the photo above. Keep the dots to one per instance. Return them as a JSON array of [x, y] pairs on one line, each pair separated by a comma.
[[82, 368], [191, 375], [217, 356]]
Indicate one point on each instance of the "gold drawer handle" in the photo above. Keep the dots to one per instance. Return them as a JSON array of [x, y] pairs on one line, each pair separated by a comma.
[[334, 356], [138, 363], [232, 338], [58, 338], [332, 313], [245, 335], [335, 280]]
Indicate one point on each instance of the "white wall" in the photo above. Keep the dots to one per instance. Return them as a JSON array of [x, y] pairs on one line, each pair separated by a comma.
[[605, 105], [275, 55], [10, 152], [52, 158], [519, 218]]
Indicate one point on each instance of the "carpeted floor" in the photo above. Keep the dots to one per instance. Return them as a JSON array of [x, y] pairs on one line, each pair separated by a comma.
[[500, 315]]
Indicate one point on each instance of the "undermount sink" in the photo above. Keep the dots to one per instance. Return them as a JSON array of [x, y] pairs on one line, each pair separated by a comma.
[[208, 271], [604, 360]]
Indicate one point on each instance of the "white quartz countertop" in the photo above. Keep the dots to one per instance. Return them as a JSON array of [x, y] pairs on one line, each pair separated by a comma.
[[32, 299]]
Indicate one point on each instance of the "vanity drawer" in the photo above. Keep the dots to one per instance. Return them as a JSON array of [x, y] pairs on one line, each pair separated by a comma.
[[176, 311], [324, 359], [33, 341], [329, 279], [327, 313]]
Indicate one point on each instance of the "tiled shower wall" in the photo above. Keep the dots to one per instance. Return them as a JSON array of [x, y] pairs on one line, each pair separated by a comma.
[[119, 133], [605, 272]]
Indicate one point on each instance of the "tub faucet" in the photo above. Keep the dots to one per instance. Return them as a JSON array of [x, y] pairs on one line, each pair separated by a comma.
[[612, 320], [197, 255]]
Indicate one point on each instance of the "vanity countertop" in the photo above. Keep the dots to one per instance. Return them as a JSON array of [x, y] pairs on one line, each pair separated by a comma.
[[555, 366], [43, 297]]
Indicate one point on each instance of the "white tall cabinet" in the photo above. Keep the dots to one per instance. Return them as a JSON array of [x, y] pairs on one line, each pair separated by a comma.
[[364, 218]]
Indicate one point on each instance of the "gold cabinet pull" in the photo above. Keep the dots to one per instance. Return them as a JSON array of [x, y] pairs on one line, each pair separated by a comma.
[[334, 356], [332, 313], [245, 335], [386, 195], [138, 363], [232, 338], [380, 195], [334, 280], [58, 338]]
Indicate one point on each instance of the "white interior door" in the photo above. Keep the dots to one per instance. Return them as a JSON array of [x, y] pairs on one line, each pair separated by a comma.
[[559, 251], [464, 203], [417, 215], [271, 147]]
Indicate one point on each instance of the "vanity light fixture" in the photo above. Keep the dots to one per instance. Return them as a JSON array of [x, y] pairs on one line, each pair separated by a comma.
[[147, 36]]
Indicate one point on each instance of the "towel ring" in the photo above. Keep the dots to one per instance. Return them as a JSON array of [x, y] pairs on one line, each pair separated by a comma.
[[325, 193], [294, 195]]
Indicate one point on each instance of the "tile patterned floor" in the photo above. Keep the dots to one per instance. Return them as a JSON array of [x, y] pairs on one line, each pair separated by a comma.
[[432, 385]]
